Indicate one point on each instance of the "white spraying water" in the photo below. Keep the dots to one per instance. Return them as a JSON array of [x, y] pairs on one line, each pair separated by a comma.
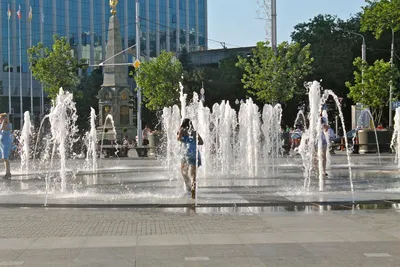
[[233, 144], [63, 130], [111, 136], [24, 142], [311, 146], [395, 144], [91, 143]]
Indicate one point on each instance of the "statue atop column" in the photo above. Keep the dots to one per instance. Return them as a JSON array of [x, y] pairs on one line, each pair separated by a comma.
[[113, 5]]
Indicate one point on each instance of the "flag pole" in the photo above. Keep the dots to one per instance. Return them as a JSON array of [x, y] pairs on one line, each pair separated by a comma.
[[21, 109], [41, 40], [30, 45], [9, 60]]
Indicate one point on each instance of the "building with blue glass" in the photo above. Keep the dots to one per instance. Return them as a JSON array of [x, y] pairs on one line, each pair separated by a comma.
[[165, 25]]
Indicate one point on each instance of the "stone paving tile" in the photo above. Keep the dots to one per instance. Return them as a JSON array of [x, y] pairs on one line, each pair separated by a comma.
[[15, 243], [49, 255], [237, 262], [163, 252], [366, 236], [106, 257], [279, 250], [58, 242], [35, 223], [169, 263], [9, 255], [110, 241], [352, 250], [163, 240], [198, 239], [213, 251]]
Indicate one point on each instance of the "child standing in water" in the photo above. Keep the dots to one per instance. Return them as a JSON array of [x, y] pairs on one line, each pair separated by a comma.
[[190, 160]]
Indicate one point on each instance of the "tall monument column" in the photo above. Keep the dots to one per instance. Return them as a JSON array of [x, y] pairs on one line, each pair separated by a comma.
[[114, 94]]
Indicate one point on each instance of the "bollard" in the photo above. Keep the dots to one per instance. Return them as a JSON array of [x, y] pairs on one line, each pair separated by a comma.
[[152, 145]]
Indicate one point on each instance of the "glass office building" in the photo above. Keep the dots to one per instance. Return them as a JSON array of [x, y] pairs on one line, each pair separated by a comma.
[[165, 25]]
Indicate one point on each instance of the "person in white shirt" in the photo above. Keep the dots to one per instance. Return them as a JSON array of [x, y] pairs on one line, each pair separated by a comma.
[[145, 135]]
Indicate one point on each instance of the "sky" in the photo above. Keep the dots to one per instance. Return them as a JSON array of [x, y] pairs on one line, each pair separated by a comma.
[[235, 21]]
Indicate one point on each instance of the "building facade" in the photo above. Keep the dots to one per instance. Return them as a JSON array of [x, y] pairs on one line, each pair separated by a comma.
[[165, 25]]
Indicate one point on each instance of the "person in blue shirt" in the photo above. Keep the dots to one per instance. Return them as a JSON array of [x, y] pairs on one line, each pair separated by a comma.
[[191, 158], [6, 141]]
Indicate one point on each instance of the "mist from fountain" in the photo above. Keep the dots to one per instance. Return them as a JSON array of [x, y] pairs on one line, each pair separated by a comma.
[[110, 118], [395, 143], [26, 133], [300, 114], [311, 145], [242, 144], [91, 143], [63, 130]]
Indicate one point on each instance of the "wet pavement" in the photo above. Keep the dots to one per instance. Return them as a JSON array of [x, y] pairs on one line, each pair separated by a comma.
[[141, 182], [115, 218]]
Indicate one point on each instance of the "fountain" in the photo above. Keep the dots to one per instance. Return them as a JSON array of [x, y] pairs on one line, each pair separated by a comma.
[[311, 142], [111, 137], [242, 161], [24, 142], [243, 144], [63, 130], [395, 143], [91, 143]]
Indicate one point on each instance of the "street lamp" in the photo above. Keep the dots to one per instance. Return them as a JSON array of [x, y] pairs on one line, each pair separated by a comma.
[[363, 55], [363, 46]]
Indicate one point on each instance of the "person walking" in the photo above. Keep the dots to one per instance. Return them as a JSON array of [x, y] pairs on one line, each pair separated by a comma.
[[6, 141], [190, 159]]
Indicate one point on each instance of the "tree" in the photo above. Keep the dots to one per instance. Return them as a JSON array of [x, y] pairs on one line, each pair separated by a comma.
[[371, 85], [55, 67], [159, 81], [378, 17], [186, 60], [333, 50], [381, 15], [87, 91], [273, 77], [224, 83]]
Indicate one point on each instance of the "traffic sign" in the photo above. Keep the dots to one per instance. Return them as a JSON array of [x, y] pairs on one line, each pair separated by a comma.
[[136, 64]]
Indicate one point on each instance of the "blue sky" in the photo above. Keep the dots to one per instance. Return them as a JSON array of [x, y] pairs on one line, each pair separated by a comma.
[[234, 21]]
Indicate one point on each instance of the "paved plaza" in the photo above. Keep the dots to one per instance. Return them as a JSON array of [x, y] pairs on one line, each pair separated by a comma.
[[311, 236], [133, 213]]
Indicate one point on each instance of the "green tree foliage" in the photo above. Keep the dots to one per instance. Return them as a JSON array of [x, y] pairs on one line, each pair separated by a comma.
[[333, 49], [56, 67], [371, 85], [192, 77], [159, 81], [224, 83], [379, 16], [273, 77], [87, 90]]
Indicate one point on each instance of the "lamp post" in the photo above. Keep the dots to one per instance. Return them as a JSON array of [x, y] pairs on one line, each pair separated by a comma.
[[363, 57], [363, 46]]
